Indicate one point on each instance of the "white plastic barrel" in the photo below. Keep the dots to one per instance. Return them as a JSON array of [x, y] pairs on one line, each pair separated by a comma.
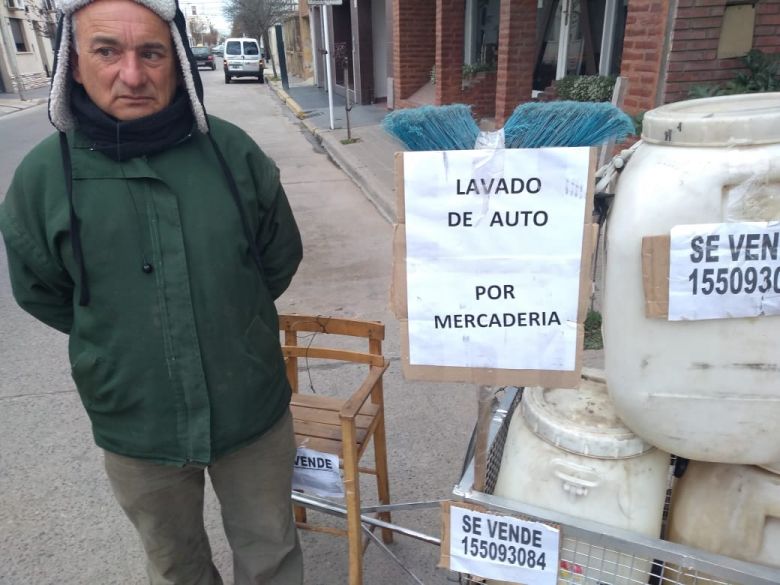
[[733, 510], [706, 390], [567, 451]]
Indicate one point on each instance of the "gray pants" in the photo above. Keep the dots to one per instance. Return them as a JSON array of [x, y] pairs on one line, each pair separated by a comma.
[[165, 504]]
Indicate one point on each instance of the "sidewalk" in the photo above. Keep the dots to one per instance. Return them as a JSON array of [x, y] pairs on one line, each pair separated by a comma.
[[369, 161], [10, 102]]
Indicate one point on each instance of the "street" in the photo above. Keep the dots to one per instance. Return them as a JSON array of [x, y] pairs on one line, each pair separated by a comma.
[[58, 520]]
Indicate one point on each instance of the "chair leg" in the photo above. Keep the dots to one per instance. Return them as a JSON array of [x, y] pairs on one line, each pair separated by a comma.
[[382, 479], [300, 514], [352, 497]]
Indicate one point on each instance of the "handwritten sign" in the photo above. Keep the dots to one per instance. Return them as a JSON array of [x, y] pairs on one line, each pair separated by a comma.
[[724, 270], [503, 547], [494, 242], [317, 473]]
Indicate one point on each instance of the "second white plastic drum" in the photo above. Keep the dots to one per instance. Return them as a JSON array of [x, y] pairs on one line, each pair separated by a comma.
[[732, 510], [567, 451], [706, 390]]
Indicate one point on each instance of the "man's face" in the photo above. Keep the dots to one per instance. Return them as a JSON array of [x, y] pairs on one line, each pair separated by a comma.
[[125, 58]]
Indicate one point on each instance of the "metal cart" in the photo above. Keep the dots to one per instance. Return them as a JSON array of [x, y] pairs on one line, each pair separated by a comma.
[[671, 564]]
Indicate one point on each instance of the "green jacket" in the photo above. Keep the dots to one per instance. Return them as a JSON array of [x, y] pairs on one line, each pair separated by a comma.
[[181, 364]]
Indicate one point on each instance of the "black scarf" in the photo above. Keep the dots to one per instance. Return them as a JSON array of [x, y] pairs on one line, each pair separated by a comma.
[[143, 136]]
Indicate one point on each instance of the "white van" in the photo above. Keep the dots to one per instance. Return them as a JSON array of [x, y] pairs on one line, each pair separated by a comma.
[[243, 57]]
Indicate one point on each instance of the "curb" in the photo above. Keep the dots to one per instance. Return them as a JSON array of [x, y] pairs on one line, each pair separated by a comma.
[[296, 109], [366, 184], [13, 106], [286, 99], [372, 192]]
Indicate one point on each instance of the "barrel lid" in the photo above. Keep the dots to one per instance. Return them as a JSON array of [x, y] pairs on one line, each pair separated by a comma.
[[581, 421], [730, 120]]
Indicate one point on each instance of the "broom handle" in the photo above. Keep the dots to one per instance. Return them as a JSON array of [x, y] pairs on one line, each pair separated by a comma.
[[618, 93]]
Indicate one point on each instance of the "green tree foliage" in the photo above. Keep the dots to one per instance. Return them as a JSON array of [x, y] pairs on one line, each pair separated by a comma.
[[253, 18], [762, 74]]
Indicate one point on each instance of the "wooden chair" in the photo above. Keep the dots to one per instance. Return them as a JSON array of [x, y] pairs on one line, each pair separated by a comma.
[[341, 426]]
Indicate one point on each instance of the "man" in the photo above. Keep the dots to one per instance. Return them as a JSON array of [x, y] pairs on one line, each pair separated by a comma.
[[158, 238]]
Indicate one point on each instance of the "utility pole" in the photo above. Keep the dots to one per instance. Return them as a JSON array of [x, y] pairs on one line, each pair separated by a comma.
[[282, 57], [326, 26]]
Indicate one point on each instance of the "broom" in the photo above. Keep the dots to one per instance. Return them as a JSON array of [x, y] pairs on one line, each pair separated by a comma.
[[433, 127], [565, 123]]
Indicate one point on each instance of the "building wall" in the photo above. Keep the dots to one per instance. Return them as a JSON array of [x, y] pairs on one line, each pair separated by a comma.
[[668, 47], [516, 51], [297, 46], [34, 64], [450, 37], [694, 49], [480, 92], [414, 48], [767, 32], [644, 48], [307, 58]]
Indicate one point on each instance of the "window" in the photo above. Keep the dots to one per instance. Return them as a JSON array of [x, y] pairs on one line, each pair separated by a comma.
[[250, 48], [482, 19], [17, 30], [578, 37]]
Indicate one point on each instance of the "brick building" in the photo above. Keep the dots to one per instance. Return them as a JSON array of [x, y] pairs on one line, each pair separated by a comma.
[[495, 54]]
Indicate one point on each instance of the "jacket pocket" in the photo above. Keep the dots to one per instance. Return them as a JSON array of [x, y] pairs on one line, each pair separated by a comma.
[[95, 378], [263, 346]]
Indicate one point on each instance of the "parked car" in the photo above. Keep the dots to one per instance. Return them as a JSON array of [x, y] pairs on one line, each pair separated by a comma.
[[243, 58], [218, 50], [204, 58]]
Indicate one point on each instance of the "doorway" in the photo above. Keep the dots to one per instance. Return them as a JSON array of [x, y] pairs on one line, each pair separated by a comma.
[[379, 53], [342, 44], [578, 37]]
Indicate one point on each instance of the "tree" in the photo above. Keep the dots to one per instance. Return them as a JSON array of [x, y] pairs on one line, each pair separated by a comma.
[[199, 27], [211, 37], [254, 18], [42, 16]]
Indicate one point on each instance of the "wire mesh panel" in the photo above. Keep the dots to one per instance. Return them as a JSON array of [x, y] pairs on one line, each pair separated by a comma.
[[577, 575], [587, 561], [496, 450]]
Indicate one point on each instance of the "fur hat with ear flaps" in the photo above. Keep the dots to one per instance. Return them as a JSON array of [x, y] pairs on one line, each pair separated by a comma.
[[60, 112]]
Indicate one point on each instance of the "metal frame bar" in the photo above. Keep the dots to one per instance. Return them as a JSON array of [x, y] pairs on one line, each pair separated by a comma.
[[391, 554], [328, 507]]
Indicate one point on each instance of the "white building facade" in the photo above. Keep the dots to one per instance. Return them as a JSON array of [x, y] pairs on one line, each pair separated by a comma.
[[27, 29]]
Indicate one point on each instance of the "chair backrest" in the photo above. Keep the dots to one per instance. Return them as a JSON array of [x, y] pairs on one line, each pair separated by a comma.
[[316, 325]]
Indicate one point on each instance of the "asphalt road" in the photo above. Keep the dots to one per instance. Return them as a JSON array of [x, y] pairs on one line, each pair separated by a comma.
[[58, 521]]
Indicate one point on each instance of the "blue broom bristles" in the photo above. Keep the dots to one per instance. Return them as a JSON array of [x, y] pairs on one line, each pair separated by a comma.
[[565, 123], [449, 127], [531, 125]]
